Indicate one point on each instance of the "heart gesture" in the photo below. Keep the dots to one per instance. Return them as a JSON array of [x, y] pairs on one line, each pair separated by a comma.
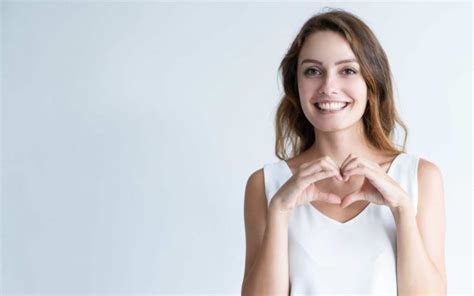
[[378, 186]]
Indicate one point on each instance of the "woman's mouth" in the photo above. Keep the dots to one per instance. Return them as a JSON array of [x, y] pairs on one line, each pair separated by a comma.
[[331, 108]]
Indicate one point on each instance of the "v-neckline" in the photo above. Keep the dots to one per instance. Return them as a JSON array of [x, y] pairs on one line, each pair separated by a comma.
[[355, 218]]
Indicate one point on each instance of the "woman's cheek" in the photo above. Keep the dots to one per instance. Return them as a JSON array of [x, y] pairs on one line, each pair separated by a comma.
[[357, 89], [306, 89]]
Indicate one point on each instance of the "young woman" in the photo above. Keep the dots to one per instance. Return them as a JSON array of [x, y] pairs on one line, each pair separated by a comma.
[[349, 212]]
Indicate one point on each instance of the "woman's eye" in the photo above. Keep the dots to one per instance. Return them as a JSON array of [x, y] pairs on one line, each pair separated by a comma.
[[308, 71], [345, 71], [348, 69]]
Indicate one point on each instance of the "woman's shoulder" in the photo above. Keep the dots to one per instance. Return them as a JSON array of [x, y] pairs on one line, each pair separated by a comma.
[[427, 168]]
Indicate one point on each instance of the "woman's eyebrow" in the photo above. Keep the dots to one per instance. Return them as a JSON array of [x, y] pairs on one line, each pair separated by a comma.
[[320, 63]]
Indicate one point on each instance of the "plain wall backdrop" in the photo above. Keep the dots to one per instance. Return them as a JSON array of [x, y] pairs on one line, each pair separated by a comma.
[[129, 131]]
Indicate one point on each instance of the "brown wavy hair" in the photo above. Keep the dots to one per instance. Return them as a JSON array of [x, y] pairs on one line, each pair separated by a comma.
[[380, 116]]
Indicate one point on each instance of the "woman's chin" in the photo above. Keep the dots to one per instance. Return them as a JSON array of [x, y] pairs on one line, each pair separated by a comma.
[[332, 128], [336, 126]]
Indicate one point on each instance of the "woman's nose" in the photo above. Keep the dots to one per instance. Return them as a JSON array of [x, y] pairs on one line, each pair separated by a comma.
[[328, 85]]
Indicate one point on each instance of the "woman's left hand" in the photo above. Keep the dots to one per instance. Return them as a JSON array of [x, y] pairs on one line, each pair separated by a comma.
[[378, 186]]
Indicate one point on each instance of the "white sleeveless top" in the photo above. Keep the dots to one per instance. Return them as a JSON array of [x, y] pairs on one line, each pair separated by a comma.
[[356, 257]]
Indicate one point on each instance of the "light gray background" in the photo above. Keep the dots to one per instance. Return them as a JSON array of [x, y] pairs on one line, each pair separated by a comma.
[[129, 131]]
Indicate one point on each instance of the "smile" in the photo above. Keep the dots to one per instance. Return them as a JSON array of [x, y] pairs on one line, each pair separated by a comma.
[[331, 108]]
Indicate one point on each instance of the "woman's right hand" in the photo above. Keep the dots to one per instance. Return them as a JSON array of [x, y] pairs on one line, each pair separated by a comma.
[[301, 188]]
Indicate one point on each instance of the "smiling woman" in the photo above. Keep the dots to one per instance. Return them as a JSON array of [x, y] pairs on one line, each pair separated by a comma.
[[309, 227]]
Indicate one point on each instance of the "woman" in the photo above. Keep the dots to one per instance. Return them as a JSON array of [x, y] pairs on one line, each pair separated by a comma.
[[349, 212]]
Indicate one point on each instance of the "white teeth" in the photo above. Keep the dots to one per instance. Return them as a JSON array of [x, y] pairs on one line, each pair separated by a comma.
[[331, 106]]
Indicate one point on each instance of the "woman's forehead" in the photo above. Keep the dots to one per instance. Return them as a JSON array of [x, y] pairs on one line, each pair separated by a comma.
[[326, 47]]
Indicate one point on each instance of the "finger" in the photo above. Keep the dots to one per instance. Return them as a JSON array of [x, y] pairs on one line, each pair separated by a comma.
[[327, 197], [350, 164], [377, 181], [351, 198], [329, 164], [349, 157], [356, 162], [317, 176], [310, 168], [336, 167], [359, 161], [317, 166], [364, 171]]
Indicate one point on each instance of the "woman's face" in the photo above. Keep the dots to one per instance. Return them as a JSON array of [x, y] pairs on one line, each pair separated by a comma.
[[322, 78]]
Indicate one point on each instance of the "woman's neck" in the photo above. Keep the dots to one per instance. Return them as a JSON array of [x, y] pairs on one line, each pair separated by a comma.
[[339, 144]]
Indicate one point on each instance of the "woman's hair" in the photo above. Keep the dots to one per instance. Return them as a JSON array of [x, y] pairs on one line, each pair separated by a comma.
[[380, 114]]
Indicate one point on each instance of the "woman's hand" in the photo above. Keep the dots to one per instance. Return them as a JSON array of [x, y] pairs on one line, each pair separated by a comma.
[[378, 187], [301, 188]]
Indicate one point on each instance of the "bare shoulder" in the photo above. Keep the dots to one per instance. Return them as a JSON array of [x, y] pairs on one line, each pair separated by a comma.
[[255, 187], [255, 179], [430, 184], [431, 166], [255, 200], [428, 172]]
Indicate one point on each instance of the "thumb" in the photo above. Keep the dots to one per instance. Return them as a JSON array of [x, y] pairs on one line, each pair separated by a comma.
[[328, 197], [351, 198]]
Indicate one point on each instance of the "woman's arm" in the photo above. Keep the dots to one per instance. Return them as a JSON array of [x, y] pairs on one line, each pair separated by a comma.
[[266, 228], [269, 275], [420, 240]]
